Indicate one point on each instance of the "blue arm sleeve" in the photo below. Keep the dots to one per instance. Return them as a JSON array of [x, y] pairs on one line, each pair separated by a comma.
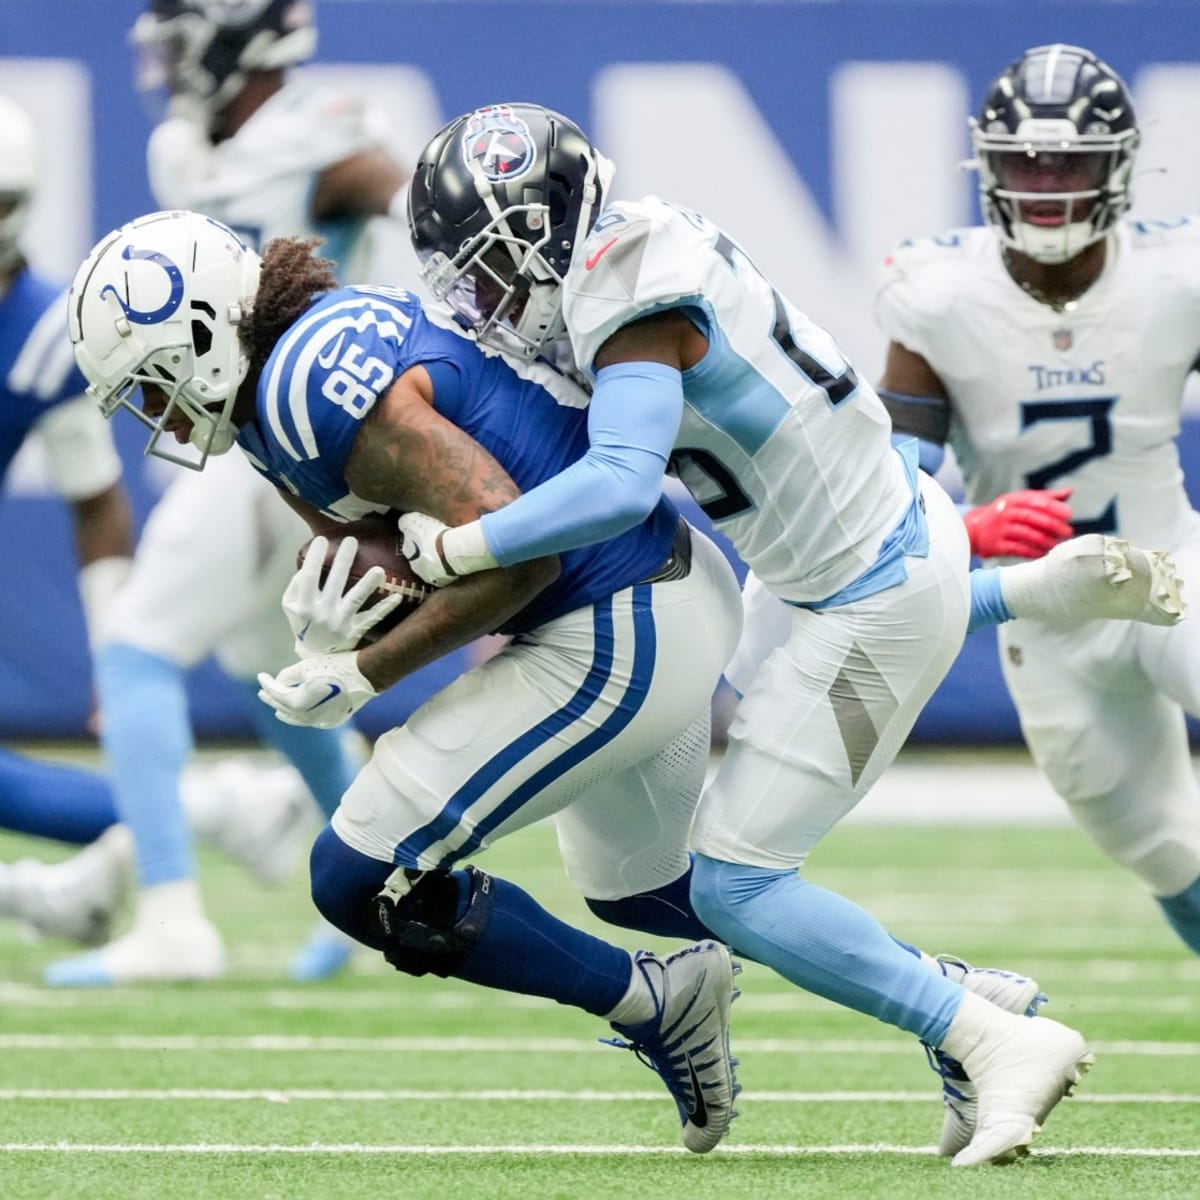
[[633, 420], [987, 600]]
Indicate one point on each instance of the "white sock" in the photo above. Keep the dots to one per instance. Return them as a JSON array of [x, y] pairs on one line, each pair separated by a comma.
[[640, 1001], [167, 904]]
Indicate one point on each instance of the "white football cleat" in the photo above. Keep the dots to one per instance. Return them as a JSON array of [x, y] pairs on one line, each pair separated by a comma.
[[77, 899], [1095, 577], [686, 1042], [259, 816], [960, 1100], [187, 950], [1021, 1067]]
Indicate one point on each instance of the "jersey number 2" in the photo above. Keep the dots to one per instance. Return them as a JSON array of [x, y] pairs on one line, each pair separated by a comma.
[[1097, 413]]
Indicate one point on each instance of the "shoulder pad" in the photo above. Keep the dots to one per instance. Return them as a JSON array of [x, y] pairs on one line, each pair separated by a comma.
[[638, 257]]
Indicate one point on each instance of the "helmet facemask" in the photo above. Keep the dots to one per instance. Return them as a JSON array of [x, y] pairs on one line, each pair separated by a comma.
[[171, 371], [18, 178], [501, 285], [14, 213], [1049, 191]]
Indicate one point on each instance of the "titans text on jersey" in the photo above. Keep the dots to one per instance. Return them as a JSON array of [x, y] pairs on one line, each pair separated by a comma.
[[1087, 398]]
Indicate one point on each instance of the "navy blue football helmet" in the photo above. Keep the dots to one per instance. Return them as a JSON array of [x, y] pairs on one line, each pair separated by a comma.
[[499, 202], [204, 49], [1055, 142]]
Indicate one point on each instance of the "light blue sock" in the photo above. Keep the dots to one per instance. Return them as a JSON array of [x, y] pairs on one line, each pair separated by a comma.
[[147, 738], [1183, 912], [987, 602], [320, 755], [824, 943]]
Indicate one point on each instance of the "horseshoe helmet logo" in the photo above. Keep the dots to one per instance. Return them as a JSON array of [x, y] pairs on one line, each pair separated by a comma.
[[157, 315]]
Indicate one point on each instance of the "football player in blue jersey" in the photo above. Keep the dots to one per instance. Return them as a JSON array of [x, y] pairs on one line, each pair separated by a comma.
[[41, 390], [269, 155], [355, 401], [700, 365]]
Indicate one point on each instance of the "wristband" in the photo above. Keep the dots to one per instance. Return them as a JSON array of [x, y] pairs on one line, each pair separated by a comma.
[[464, 550]]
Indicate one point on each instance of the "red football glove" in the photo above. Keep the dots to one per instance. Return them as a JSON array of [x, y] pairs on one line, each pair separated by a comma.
[[1020, 524]]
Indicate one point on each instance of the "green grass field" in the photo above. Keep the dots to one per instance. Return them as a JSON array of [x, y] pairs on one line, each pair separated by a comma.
[[377, 1085]]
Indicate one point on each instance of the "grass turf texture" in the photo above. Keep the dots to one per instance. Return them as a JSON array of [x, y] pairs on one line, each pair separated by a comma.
[[375, 1084]]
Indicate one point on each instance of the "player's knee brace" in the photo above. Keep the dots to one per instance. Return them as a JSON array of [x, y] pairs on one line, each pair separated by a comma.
[[1183, 913], [423, 921]]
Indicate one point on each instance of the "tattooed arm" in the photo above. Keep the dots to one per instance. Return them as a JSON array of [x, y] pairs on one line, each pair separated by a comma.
[[408, 457]]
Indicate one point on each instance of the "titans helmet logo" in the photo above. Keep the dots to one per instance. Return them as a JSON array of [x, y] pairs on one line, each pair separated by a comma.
[[498, 143]]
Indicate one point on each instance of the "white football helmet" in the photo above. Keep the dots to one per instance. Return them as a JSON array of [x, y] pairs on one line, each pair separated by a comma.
[[18, 177], [159, 302]]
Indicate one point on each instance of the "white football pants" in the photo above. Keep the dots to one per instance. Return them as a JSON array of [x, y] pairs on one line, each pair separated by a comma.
[[829, 697], [210, 570], [599, 717]]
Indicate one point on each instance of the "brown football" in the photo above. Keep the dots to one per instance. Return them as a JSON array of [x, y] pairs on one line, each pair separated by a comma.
[[378, 546]]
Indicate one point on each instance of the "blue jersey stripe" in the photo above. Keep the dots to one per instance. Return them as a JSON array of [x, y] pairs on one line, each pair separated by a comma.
[[644, 658], [448, 819]]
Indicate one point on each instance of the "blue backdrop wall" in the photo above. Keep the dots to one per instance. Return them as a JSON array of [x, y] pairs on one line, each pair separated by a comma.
[[818, 133]]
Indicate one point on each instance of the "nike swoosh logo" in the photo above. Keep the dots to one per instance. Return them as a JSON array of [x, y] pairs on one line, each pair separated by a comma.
[[699, 1115], [593, 259], [334, 690], [327, 359]]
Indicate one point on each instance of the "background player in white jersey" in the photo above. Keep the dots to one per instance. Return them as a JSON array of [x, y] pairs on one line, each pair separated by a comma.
[[699, 362], [354, 401], [269, 156], [42, 395], [1050, 349]]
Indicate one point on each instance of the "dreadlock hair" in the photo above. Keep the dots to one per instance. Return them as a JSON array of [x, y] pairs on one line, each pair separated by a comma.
[[292, 277]]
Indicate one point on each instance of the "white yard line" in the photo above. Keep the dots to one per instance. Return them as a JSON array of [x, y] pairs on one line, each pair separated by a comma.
[[526, 1151], [492, 1045], [306, 999], [583, 1096]]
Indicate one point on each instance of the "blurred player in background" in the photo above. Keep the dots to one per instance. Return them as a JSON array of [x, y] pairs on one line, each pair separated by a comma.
[[354, 401], [269, 156], [1050, 348], [698, 362], [41, 392]]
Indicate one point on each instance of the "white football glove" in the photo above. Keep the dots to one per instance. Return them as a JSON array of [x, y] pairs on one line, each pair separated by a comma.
[[418, 543], [327, 619], [323, 691]]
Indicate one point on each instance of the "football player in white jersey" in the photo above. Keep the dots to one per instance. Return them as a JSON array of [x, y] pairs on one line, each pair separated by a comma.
[[697, 361], [269, 156], [1050, 348]]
